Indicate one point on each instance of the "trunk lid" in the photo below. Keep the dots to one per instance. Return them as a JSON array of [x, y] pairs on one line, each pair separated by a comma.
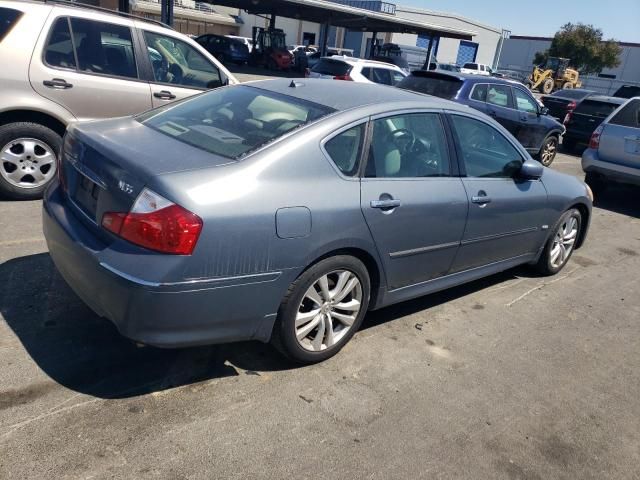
[[557, 106], [106, 164]]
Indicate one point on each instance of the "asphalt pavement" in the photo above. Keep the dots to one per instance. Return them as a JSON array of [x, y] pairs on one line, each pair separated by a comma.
[[510, 377]]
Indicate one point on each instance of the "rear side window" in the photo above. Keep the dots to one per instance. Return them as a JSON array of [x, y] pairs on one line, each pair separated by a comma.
[[439, 87], [629, 116], [596, 108], [59, 51], [332, 67], [479, 93], [233, 121], [498, 95], [8, 18], [345, 149], [471, 66]]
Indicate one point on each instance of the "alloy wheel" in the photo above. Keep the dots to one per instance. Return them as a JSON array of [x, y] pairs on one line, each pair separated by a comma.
[[563, 242], [549, 152], [328, 310], [27, 163]]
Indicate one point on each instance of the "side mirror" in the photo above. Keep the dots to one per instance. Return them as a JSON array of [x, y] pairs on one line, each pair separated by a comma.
[[543, 111], [531, 170]]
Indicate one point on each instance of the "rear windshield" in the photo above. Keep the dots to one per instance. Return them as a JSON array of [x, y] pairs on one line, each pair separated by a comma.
[[233, 121], [334, 68], [596, 108], [573, 94], [439, 87], [627, 91], [628, 116], [8, 18]]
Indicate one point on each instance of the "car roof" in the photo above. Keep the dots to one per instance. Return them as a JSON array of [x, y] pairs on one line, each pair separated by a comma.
[[464, 77], [349, 95], [358, 61]]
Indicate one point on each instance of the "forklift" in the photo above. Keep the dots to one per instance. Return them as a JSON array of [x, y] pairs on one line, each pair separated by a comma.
[[270, 49]]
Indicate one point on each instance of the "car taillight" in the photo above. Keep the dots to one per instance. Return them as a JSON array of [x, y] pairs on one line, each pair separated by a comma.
[[307, 73], [343, 77], [567, 117], [571, 105], [594, 142], [157, 224]]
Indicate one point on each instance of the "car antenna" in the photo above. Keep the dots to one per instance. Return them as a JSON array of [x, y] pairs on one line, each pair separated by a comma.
[[295, 84]]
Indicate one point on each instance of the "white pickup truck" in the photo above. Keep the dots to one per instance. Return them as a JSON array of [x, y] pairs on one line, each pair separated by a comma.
[[476, 69]]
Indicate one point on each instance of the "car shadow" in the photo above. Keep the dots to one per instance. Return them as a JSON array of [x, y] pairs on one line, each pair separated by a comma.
[[619, 198], [85, 353]]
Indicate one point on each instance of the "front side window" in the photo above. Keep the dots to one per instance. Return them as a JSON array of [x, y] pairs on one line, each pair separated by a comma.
[[233, 121], [345, 148], [103, 48], [498, 95], [408, 146], [178, 63], [485, 151], [524, 102]]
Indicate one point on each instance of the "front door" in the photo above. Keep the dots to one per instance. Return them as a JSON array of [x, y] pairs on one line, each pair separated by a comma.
[[179, 70], [92, 74], [506, 214], [415, 209], [531, 129]]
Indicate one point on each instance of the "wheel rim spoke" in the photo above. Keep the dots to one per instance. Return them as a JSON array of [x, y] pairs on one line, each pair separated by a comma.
[[323, 282], [329, 336], [346, 290], [317, 341], [313, 295], [308, 328], [345, 319], [351, 306], [304, 317]]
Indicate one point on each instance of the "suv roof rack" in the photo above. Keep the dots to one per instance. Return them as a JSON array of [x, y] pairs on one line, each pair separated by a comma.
[[73, 3]]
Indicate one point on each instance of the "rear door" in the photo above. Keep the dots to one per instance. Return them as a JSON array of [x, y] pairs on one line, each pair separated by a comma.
[[506, 214], [620, 140], [500, 107], [92, 72], [178, 69], [414, 205]]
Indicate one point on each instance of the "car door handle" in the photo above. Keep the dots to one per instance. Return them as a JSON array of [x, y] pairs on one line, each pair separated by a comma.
[[481, 199], [164, 95], [390, 203], [59, 83]]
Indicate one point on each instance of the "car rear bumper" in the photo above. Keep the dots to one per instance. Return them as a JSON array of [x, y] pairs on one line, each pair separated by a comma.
[[217, 310], [591, 163]]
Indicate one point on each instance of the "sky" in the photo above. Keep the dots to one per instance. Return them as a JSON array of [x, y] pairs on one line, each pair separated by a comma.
[[618, 19]]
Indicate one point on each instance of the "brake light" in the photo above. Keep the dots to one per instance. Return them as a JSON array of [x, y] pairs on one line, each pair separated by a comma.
[[157, 224], [343, 77], [594, 142], [572, 105], [568, 117]]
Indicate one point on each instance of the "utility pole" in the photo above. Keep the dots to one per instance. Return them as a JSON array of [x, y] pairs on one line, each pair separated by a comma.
[[166, 12]]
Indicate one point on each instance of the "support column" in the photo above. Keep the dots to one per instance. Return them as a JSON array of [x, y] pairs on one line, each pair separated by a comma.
[[272, 22], [373, 44], [324, 33], [123, 6], [166, 12], [429, 51]]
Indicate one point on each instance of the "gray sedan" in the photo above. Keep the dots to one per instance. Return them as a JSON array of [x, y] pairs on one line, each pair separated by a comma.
[[284, 211]]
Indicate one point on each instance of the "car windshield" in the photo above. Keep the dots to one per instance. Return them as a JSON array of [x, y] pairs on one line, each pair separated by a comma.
[[442, 87], [233, 121], [596, 108]]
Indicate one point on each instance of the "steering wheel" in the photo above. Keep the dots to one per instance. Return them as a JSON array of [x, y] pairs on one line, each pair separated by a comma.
[[403, 138]]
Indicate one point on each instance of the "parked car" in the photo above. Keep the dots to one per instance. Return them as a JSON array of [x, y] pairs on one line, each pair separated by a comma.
[[447, 67], [399, 62], [415, 56], [283, 211], [357, 70], [114, 66], [225, 49], [315, 57], [476, 69], [510, 75], [246, 40], [582, 122], [561, 102], [301, 48], [628, 91], [614, 149], [508, 102]]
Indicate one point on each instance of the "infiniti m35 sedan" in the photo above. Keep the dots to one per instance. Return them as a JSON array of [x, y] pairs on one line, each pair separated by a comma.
[[283, 211]]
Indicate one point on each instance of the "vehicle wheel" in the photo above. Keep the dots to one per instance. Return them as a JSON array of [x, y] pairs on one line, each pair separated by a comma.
[[561, 244], [548, 151], [547, 86], [28, 155], [322, 309], [597, 183], [567, 86]]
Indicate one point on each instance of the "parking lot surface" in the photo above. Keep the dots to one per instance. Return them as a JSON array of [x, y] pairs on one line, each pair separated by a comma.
[[514, 377]]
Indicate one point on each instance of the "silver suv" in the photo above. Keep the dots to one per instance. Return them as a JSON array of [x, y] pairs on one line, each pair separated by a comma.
[[614, 150], [63, 63]]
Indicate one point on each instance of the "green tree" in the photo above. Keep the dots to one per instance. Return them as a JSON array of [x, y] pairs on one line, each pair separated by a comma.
[[583, 44]]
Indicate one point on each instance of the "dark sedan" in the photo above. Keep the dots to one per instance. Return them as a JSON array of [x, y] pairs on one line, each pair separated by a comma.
[[225, 49], [278, 212], [507, 101], [561, 102], [582, 122]]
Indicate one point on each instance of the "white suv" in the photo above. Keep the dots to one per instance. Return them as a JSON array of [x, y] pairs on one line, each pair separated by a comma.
[[476, 69], [63, 62], [356, 70]]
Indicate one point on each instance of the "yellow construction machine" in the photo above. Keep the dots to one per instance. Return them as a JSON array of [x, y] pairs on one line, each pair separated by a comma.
[[554, 74]]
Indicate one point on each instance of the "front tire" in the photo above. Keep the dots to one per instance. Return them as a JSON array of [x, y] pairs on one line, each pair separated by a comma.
[[547, 86], [561, 243], [548, 151], [322, 309], [28, 159]]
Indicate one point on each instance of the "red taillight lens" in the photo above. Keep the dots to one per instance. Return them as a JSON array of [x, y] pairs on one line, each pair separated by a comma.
[[571, 105], [343, 77], [567, 117], [594, 142], [156, 224]]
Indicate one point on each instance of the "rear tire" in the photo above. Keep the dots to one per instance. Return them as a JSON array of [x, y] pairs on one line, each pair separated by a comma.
[[547, 86], [561, 243], [313, 323], [567, 86], [28, 159]]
